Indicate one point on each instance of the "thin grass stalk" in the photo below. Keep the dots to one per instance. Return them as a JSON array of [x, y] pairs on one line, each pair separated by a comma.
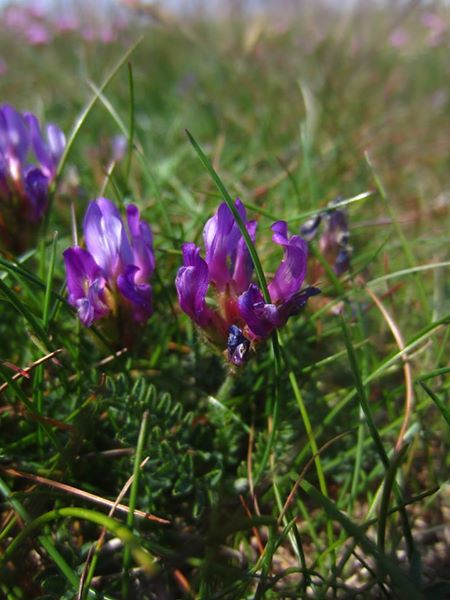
[[131, 122], [133, 498]]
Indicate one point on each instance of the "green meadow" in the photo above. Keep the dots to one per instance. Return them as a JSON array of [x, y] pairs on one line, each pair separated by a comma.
[[135, 461]]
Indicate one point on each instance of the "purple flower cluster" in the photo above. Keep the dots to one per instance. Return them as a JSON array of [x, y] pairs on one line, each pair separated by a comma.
[[241, 317], [334, 241], [112, 275], [24, 183]]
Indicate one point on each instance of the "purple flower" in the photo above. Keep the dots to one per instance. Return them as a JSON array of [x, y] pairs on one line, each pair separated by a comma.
[[284, 289], [86, 284], [227, 256], [240, 317], [399, 38], [48, 149], [334, 241], [437, 27], [113, 274], [192, 284], [28, 163], [37, 34]]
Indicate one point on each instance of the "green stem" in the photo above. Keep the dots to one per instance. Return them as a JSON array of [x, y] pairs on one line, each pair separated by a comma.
[[313, 445], [133, 497]]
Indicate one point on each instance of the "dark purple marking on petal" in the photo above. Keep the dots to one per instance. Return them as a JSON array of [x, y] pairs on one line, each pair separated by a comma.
[[342, 262], [238, 346], [309, 229]]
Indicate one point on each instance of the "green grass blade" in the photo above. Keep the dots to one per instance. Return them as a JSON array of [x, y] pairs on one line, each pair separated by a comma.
[[409, 271], [140, 554], [44, 540], [405, 588], [49, 282], [22, 309], [387, 489], [133, 497], [361, 393], [90, 105], [360, 387], [132, 121], [444, 410]]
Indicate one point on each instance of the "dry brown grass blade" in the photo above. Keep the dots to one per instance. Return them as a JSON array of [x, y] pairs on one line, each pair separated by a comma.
[[254, 529], [69, 489], [409, 392], [183, 583], [24, 372]]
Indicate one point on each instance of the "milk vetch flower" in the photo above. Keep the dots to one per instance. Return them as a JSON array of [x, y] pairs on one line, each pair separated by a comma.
[[334, 239], [28, 162], [111, 277], [239, 318]]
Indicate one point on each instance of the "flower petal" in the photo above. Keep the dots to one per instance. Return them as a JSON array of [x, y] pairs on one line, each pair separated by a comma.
[[85, 284], [106, 238], [261, 318], [36, 193], [80, 268], [141, 243], [192, 284], [291, 273], [296, 302], [221, 236], [139, 295], [49, 151], [92, 307], [334, 242], [243, 266], [14, 135], [309, 229]]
